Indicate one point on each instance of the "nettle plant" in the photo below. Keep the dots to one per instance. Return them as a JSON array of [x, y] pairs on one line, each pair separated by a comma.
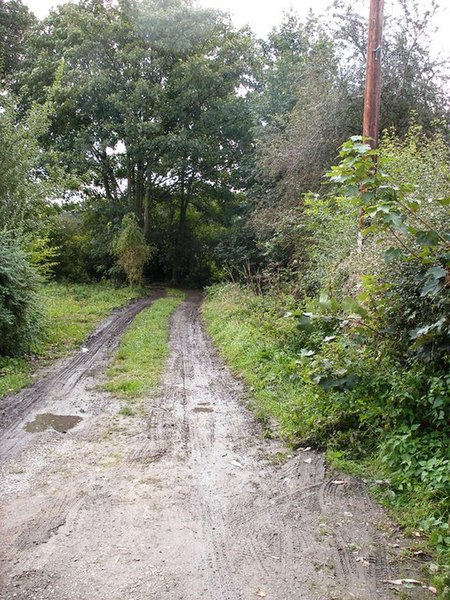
[[394, 212]]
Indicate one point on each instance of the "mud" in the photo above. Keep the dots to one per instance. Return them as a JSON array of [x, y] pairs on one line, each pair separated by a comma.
[[185, 504]]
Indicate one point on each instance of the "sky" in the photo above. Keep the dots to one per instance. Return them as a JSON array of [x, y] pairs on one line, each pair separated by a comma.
[[262, 15]]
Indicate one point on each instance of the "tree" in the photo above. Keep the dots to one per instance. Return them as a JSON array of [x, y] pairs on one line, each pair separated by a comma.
[[149, 110], [412, 78], [15, 21]]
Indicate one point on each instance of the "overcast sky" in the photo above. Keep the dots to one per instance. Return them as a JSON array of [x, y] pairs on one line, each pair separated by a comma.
[[262, 15]]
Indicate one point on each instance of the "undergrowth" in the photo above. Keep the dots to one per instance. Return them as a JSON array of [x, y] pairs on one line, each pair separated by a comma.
[[140, 358], [375, 418]]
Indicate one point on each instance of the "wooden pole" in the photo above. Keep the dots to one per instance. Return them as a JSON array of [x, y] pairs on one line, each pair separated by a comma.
[[372, 95]]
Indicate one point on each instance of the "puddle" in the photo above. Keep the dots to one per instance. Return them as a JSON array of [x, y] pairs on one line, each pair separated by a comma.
[[203, 409], [61, 423]]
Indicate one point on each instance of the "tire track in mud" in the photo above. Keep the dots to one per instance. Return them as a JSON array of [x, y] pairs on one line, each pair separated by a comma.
[[63, 380], [187, 503], [262, 530], [268, 538]]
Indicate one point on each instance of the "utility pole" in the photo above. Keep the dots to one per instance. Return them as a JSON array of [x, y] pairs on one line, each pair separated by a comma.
[[372, 95]]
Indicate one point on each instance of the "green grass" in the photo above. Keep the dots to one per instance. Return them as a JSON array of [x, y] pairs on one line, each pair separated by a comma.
[[254, 352], [15, 373], [139, 361], [72, 312]]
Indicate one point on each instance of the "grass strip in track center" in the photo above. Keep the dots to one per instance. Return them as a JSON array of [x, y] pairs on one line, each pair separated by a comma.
[[139, 361]]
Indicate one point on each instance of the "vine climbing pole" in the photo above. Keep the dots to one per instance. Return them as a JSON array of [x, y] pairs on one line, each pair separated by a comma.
[[372, 95]]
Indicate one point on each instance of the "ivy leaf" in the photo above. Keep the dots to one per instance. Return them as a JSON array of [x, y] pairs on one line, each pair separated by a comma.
[[392, 254], [436, 272], [427, 238], [433, 281]]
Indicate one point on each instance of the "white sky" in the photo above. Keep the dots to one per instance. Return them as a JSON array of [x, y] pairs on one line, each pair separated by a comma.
[[262, 15]]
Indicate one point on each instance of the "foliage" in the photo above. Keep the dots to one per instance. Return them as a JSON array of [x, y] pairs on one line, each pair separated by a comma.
[[148, 98], [414, 79], [15, 21], [326, 384], [20, 318], [396, 210], [132, 250], [351, 352], [309, 100]]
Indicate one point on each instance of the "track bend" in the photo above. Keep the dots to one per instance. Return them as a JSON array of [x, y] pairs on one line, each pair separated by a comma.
[[185, 504]]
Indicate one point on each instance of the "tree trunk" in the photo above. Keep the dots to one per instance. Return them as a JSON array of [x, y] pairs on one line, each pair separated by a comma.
[[139, 192], [147, 201], [181, 233], [130, 184]]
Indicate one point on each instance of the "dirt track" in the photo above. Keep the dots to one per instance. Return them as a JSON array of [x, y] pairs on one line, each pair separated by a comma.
[[186, 504]]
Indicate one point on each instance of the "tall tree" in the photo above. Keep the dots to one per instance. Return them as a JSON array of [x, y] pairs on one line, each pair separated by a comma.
[[149, 112], [15, 21]]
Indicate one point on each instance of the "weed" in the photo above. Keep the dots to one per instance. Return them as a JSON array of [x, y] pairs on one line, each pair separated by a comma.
[[139, 361]]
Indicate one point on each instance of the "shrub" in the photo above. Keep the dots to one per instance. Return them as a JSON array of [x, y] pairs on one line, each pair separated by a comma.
[[131, 249], [20, 319]]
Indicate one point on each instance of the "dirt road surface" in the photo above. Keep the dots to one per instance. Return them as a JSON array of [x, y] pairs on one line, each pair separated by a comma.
[[186, 504]]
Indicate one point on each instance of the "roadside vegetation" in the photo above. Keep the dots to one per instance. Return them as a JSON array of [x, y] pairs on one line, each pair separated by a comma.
[[68, 313], [139, 361], [349, 350]]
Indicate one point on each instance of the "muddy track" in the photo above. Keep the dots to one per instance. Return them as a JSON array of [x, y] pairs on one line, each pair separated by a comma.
[[67, 375], [185, 504]]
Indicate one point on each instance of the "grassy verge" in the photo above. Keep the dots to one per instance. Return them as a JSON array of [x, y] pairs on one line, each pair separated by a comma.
[[72, 312], [140, 358], [255, 352], [268, 352]]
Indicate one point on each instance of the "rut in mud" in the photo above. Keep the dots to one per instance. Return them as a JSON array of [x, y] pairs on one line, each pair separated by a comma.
[[186, 504]]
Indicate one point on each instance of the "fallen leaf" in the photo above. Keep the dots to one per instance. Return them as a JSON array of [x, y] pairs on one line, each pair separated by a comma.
[[432, 589], [403, 581], [261, 593]]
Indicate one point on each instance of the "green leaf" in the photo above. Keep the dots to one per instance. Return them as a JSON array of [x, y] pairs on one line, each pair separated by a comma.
[[393, 254], [304, 321], [427, 238], [436, 272], [353, 307], [395, 220]]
